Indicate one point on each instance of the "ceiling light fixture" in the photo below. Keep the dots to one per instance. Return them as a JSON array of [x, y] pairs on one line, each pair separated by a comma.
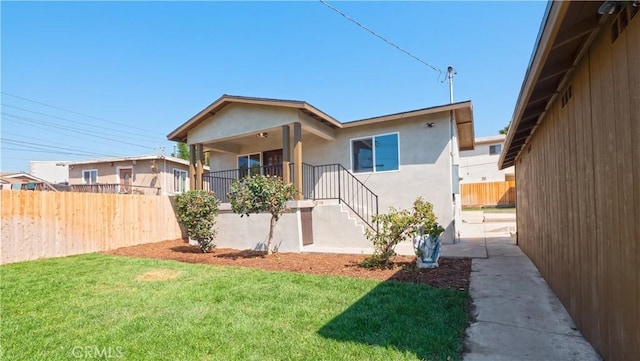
[[262, 135]]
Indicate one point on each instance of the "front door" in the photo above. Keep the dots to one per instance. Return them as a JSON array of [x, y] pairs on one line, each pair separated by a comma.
[[125, 180], [272, 162]]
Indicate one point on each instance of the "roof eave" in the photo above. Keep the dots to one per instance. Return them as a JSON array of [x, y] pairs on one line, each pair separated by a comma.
[[567, 31]]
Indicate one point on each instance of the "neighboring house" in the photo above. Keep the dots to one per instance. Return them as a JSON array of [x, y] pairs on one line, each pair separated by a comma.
[[367, 165], [145, 174], [481, 164], [55, 172], [24, 181], [575, 143]]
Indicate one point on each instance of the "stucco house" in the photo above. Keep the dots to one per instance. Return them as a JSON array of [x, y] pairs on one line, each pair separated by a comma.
[[344, 172], [481, 164], [55, 172], [24, 181], [575, 144], [144, 174]]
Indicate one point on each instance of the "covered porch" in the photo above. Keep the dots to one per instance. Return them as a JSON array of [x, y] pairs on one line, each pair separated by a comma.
[[253, 135]]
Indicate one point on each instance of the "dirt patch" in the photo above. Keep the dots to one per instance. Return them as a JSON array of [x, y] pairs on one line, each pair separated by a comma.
[[158, 275], [452, 273]]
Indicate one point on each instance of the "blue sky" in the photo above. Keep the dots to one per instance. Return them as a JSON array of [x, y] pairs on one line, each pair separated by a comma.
[[89, 79]]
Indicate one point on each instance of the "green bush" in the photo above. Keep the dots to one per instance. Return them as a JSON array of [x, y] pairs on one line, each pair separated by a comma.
[[425, 219], [394, 227], [397, 226], [196, 210], [261, 193]]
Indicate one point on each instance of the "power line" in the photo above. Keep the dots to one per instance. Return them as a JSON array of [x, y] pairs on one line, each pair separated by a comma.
[[137, 135], [43, 151], [52, 125], [41, 146], [380, 36], [78, 113]]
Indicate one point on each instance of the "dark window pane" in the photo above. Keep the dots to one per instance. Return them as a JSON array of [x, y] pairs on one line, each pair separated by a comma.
[[362, 155], [387, 152]]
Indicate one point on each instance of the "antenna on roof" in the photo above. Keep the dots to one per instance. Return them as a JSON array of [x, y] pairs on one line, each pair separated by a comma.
[[450, 73]]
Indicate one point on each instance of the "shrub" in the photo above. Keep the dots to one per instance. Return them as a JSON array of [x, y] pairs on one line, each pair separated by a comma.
[[425, 219], [196, 210], [397, 226], [261, 193]]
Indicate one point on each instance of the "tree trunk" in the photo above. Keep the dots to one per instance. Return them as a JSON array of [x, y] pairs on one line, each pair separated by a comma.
[[271, 227]]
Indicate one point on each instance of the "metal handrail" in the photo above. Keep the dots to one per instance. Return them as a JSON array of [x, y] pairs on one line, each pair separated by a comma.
[[321, 182]]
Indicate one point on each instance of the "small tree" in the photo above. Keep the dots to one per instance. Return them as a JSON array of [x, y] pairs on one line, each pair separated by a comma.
[[260, 193], [397, 226], [196, 210]]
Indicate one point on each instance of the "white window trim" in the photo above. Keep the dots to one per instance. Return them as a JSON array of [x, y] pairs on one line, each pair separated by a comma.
[[248, 155], [374, 153], [89, 170], [186, 180]]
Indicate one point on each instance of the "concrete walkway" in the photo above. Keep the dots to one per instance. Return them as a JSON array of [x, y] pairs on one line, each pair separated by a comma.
[[517, 315]]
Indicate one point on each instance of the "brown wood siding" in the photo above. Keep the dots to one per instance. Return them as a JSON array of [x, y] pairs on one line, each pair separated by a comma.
[[579, 196], [488, 193], [57, 224]]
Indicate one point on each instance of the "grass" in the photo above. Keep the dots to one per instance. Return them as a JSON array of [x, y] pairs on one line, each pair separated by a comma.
[[100, 306]]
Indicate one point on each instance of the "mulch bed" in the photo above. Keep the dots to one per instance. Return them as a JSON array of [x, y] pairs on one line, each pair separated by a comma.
[[452, 273]]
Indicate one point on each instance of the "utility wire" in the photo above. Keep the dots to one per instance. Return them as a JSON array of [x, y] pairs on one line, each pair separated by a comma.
[[381, 37], [48, 124], [46, 146], [78, 113], [96, 142], [135, 134], [43, 151]]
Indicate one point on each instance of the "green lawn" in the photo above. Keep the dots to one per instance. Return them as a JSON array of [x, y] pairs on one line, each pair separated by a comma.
[[104, 306]]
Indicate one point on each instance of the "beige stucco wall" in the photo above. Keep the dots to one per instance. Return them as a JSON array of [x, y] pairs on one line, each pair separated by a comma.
[[141, 172], [424, 162], [236, 119], [478, 163]]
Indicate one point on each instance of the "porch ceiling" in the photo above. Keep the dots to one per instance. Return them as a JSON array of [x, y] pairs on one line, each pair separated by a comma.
[[235, 145]]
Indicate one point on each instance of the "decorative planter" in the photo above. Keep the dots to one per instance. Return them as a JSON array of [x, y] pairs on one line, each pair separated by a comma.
[[427, 249]]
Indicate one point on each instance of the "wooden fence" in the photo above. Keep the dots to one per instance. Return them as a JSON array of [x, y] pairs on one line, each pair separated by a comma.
[[489, 193], [55, 224]]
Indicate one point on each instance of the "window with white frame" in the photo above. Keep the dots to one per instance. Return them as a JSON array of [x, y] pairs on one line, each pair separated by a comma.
[[378, 153], [180, 180], [495, 149], [90, 176], [249, 164]]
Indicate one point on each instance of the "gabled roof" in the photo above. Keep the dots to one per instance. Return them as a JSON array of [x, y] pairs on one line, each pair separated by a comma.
[[567, 31], [19, 177], [463, 113], [180, 133]]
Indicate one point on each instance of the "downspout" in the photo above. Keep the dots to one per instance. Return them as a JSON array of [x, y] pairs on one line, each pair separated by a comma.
[[450, 73]]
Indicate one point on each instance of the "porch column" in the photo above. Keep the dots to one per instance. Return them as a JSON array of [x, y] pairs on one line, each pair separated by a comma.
[[297, 160], [199, 156], [286, 155], [192, 167]]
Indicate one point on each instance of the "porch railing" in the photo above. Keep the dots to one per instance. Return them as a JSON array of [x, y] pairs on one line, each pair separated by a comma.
[[322, 182], [114, 188]]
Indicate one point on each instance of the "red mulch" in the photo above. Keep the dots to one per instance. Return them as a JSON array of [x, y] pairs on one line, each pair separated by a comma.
[[452, 273]]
